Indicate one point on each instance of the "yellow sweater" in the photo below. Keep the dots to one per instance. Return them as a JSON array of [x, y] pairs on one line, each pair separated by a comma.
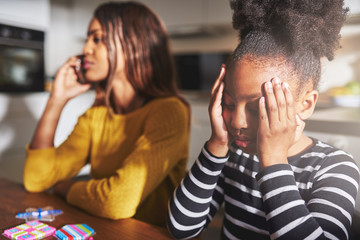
[[137, 160]]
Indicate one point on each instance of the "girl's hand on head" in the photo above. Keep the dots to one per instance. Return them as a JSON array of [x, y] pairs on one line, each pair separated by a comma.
[[66, 86], [218, 142], [277, 123]]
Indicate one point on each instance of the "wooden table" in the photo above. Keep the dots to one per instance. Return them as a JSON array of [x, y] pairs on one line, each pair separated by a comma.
[[14, 199]]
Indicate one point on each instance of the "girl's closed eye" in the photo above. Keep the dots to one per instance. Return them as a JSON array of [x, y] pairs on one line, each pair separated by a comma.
[[253, 108], [227, 103]]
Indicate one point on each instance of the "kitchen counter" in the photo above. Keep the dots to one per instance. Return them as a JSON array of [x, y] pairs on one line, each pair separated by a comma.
[[335, 120]]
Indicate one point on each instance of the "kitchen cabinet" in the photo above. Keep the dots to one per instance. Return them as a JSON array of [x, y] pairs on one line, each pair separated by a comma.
[[21, 13]]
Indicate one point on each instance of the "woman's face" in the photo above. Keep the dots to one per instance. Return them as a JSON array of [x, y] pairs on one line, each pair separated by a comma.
[[243, 89], [96, 63]]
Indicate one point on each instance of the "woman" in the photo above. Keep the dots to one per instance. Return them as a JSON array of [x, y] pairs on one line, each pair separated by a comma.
[[274, 181], [137, 142]]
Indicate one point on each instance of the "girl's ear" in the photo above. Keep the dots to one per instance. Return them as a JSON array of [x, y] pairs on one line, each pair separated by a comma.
[[307, 105]]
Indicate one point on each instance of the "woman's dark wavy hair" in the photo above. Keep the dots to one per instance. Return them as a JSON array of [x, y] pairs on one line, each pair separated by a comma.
[[142, 37], [299, 31]]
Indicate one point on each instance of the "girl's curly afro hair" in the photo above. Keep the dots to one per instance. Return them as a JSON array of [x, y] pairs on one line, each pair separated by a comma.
[[305, 30]]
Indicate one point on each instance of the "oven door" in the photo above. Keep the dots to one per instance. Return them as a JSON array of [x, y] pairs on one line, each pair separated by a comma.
[[21, 59]]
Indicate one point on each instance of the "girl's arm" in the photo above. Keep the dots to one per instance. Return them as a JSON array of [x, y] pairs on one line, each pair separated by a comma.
[[219, 139], [197, 198], [328, 209], [199, 195], [326, 213]]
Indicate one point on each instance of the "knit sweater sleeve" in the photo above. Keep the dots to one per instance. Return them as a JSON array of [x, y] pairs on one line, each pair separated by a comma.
[[327, 212], [156, 152], [197, 198], [45, 167]]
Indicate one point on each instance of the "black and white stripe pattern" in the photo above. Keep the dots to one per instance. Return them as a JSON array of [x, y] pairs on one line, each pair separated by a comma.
[[312, 197]]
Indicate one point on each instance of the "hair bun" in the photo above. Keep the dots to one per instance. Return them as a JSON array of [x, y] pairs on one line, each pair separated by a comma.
[[301, 25]]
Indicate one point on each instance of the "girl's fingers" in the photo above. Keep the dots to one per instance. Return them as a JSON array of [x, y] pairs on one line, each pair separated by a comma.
[[272, 108], [217, 90], [263, 115], [291, 113], [280, 99], [219, 94], [218, 80]]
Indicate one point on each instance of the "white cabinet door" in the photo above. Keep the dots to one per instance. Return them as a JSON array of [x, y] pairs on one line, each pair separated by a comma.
[[24, 13]]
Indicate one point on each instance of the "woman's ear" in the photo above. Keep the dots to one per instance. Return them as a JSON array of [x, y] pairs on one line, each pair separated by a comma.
[[307, 104]]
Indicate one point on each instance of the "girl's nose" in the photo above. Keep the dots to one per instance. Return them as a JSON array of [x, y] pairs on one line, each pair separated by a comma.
[[239, 120]]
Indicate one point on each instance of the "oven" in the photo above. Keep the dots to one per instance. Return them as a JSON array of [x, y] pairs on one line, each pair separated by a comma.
[[21, 59]]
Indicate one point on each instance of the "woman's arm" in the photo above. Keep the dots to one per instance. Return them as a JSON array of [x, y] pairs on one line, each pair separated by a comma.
[[44, 164], [65, 87]]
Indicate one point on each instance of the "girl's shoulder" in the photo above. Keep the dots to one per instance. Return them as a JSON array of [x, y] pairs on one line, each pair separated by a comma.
[[323, 154], [322, 149]]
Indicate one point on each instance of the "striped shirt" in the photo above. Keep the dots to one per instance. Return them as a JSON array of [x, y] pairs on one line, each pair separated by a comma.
[[312, 197]]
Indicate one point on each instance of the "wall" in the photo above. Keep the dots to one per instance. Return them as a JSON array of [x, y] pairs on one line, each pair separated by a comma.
[[61, 42]]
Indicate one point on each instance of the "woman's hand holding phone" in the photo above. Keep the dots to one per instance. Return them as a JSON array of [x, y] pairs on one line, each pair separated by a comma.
[[66, 85], [219, 140]]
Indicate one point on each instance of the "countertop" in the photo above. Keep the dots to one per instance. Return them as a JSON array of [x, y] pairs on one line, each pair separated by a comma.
[[330, 118]]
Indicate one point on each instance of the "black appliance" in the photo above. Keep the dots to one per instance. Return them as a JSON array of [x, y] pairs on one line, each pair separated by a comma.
[[21, 59], [198, 71]]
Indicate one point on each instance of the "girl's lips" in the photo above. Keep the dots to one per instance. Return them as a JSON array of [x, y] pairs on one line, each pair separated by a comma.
[[242, 142]]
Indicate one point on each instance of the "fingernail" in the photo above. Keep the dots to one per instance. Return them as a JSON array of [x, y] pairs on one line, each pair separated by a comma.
[[276, 80], [262, 99], [268, 85], [286, 85]]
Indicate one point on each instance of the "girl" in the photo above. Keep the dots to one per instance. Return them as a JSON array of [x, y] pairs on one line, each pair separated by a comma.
[[275, 182], [137, 143]]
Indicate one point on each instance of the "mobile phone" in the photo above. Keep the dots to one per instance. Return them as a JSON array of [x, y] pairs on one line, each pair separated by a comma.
[[79, 70]]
